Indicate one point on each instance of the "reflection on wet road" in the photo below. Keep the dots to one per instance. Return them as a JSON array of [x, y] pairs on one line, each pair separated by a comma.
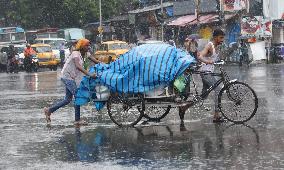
[[27, 143], [159, 146]]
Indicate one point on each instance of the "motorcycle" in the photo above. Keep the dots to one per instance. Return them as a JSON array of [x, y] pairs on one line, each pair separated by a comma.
[[31, 63], [13, 65]]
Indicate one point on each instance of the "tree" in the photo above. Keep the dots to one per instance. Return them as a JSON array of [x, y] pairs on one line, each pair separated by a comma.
[[60, 13]]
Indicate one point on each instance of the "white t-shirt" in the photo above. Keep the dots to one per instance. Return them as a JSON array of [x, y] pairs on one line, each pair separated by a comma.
[[70, 70], [214, 56]]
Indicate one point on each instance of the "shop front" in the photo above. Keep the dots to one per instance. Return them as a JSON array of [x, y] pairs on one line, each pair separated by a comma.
[[149, 21]]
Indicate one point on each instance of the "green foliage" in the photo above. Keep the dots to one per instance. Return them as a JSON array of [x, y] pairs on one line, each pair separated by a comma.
[[60, 13]]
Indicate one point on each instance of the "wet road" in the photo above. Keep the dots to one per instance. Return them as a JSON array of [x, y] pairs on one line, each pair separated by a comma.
[[27, 143]]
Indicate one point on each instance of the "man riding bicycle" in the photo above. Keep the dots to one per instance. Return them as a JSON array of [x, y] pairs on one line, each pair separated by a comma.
[[209, 55]]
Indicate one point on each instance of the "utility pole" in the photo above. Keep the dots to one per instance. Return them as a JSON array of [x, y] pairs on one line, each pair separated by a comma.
[[247, 5], [100, 29], [220, 8], [162, 24], [197, 10], [221, 12]]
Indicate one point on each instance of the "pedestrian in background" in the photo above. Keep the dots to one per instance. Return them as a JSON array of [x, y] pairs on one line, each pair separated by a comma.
[[191, 46], [11, 58], [71, 75], [62, 53]]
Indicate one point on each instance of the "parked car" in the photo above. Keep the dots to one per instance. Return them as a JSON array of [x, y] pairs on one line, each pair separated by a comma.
[[45, 56], [110, 50], [55, 44]]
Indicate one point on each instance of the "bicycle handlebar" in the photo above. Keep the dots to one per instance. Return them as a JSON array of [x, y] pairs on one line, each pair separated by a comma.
[[221, 62]]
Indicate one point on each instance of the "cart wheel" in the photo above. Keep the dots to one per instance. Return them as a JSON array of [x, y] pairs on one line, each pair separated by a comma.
[[155, 114], [125, 111], [237, 102]]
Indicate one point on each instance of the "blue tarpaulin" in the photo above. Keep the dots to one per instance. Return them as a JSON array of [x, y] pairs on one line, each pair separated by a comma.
[[139, 70]]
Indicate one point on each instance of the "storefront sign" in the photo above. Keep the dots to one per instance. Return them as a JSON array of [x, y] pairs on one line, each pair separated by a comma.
[[234, 5], [188, 7], [256, 26]]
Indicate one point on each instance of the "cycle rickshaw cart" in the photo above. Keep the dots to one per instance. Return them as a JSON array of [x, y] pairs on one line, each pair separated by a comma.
[[237, 101]]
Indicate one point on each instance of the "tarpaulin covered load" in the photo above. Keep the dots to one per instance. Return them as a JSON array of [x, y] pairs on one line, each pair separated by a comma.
[[139, 70]]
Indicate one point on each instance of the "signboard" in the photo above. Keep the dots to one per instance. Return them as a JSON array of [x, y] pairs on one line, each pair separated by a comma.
[[256, 26], [188, 7], [8, 30], [11, 29], [234, 5]]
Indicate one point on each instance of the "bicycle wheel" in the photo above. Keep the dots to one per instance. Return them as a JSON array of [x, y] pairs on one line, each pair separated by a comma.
[[237, 102], [125, 111], [154, 113]]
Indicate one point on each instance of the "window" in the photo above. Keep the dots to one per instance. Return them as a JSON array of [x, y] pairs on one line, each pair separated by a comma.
[[53, 35], [19, 36], [103, 47], [38, 41], [118, 46], [42, 35], [4, 49], [4, 37], [55, 44], [43, 49]]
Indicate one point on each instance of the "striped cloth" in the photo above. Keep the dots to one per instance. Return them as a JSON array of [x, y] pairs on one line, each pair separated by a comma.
[[138, 71]]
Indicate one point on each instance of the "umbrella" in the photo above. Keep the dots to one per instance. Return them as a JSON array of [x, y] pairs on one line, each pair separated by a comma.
[[193, 36]]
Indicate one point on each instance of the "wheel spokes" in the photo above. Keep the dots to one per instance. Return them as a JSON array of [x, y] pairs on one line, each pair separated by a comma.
[[238, 102]]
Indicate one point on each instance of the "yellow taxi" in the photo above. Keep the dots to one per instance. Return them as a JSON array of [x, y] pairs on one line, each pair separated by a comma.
[[45, 56], [110, 50]]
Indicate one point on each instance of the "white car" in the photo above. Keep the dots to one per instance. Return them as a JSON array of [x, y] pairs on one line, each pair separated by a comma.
[[55, 44]]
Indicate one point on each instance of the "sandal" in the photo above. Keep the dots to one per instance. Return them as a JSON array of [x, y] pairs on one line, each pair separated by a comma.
[[47, 115]]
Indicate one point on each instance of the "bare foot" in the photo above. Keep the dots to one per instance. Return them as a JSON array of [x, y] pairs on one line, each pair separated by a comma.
[[47, 115]]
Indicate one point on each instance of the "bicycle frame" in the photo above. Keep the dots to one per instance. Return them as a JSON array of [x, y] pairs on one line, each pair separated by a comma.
[[211, 88]]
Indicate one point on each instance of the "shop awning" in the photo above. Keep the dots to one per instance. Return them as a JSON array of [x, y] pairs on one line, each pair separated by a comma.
[[204, 19], [215, 18], [192, 20], [182, 21], [151, 8]]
